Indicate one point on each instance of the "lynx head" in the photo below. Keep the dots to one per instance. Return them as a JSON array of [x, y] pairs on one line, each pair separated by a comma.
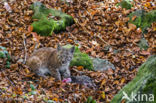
[[65, 55]]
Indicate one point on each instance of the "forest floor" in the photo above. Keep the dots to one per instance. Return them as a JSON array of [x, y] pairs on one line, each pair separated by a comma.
[[98, 24]]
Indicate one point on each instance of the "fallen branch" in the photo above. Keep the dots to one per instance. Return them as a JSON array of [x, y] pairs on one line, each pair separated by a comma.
[[102, 39], [25, 49], [12, 83]]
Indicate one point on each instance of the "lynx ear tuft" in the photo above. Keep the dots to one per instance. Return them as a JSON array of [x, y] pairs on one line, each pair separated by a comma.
[[59, 47], [72, 49]]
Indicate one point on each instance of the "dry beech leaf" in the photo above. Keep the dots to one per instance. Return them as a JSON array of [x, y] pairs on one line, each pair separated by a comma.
[[18, 90], [69, 40], [134, 17], [103, 95], [148, 5], [27, 70], [35, 36], [110, 71], [116, 82], [103, 82], [122, 80], [131, 26], [145, 52], [80, 68], [30, 28]]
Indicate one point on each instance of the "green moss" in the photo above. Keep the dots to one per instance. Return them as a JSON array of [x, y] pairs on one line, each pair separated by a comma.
[[81, 59], [125, 4], [2, 48], [46, 23], [45, 30], [90, 100], [146, 72], [2, 54], [149, 18], [5, 55], [138, 20], [150, 87], [7, 64], [143, 44], [143, 19]]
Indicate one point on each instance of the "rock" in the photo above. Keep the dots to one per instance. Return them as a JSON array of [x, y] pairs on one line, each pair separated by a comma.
[[125, 4], [84, 80], [49, 20], [102, 64], [4, 57], [143, 84], [143, 19], [143, 44], [83, 59], [80, 59]]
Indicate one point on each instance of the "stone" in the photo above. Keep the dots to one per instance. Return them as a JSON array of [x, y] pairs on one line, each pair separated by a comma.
[[143, 44], [84, 80], [102, 64], [49, 20], [143, 85]]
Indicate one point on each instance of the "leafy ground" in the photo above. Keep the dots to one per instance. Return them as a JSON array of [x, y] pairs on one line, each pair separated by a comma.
[[99, 24]]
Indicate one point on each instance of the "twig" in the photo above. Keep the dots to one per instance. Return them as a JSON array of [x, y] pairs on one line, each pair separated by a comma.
[[25, 49], [102, 39], [36, 45], [12, 83], [80, 72]]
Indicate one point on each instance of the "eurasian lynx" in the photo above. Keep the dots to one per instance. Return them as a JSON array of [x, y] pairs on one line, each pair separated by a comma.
[[51, 61]]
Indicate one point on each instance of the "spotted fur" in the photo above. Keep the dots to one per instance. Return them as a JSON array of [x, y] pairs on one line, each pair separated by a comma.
[[51, 61]]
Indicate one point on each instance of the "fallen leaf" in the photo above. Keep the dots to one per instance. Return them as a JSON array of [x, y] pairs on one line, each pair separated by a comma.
[[122, 80], [143, 52], [131, 26], [30, 28], [103, 95], [134, 17], [80, 68]]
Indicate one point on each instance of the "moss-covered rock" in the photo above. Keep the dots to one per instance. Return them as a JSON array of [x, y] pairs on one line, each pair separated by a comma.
[[4, 57], [143, 84], [49, 20], [125, 4], [81, 59], [143, 44], [143, 19]]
